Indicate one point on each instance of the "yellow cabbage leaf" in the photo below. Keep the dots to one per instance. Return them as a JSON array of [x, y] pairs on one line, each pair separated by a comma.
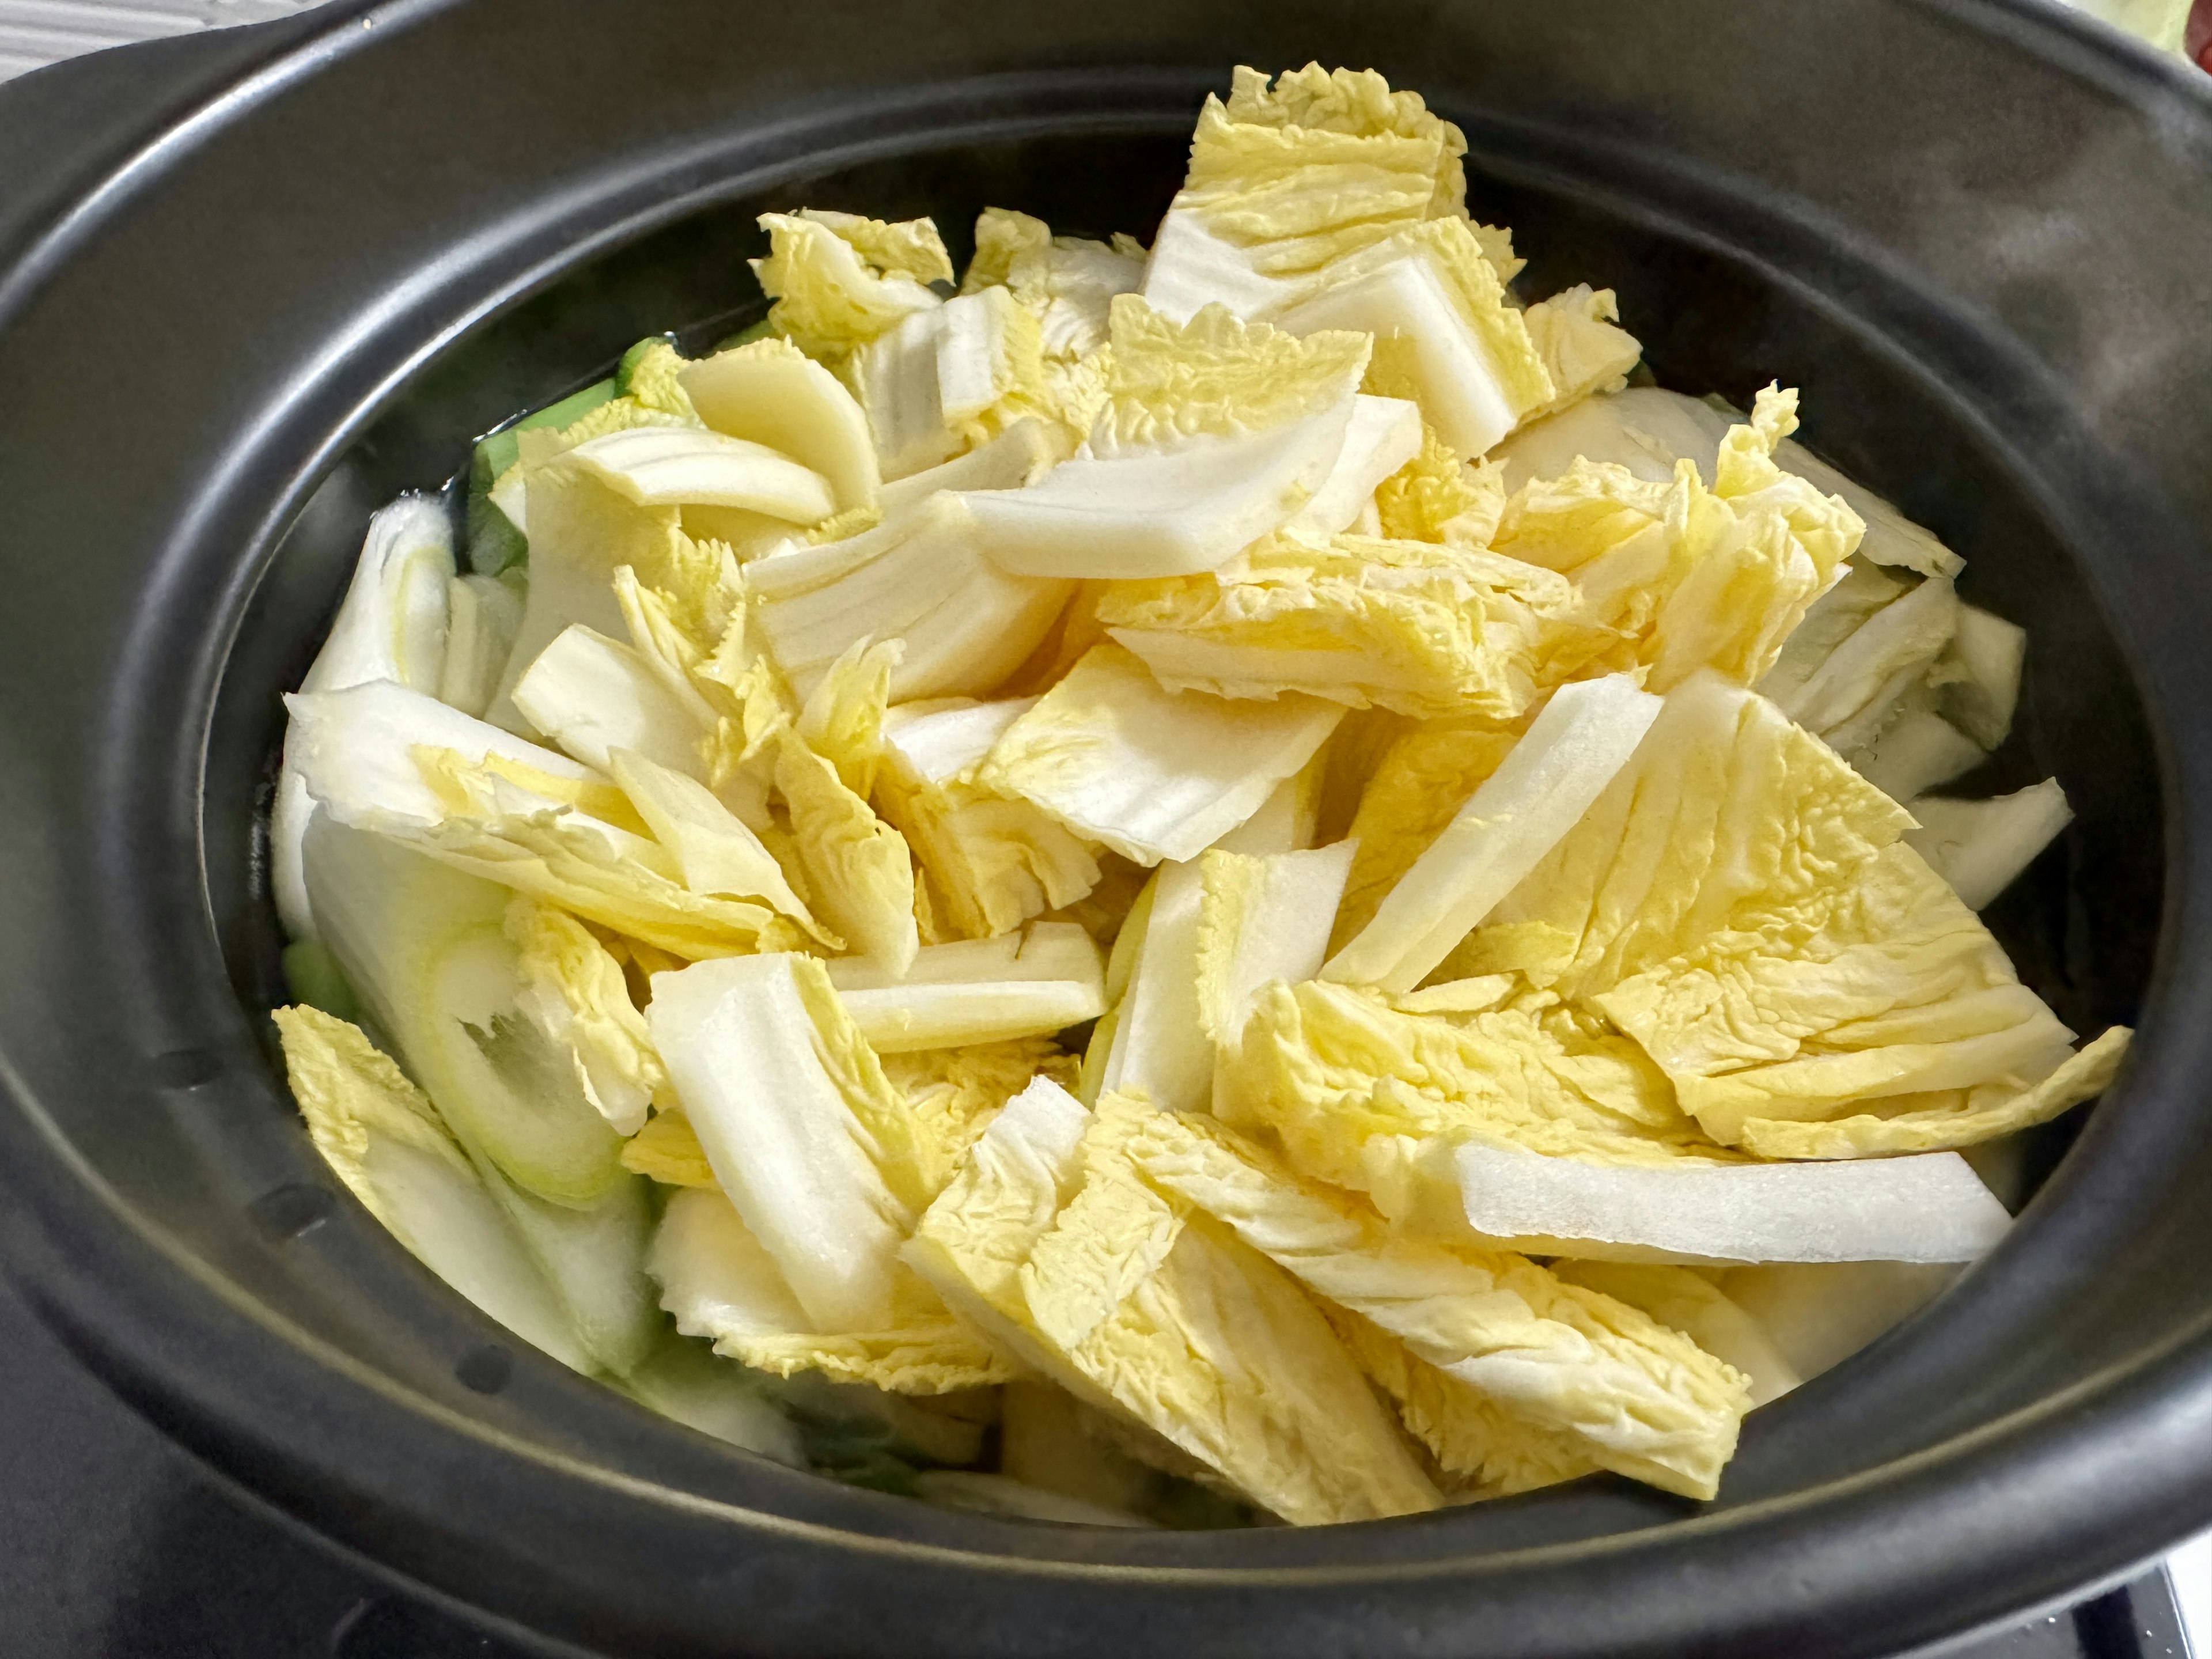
[[1418, 627], [839, 281], [1053, 1243], [573, 989], [667, 1150], [1632, 1395]]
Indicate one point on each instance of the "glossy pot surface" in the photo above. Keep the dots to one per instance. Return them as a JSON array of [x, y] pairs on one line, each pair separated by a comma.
[[299, 273]]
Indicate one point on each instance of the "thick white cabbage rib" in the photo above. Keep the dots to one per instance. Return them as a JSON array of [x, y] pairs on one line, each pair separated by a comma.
[[966, 623], [1153, 774], [593, 696], [682, 466], [769, 392], [1214, 433], [1980, 846], [390, 626], [1572, 750], [1932, 1207], [1445, 335], [823, 1158], [977, 991]]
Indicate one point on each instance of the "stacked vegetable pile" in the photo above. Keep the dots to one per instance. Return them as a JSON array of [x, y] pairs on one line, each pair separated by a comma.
[[1231, 859]]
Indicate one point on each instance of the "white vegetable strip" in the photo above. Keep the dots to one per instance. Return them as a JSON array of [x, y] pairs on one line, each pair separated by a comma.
[[1585, 735], [740, 1046], [1154, 775], [390, 626], [1930, 1206], [1462, 392], [1160, 1043], [771, 393], [593, 696], [1980, 846], [1175, 514], [1922, 751], [1009, 461], [716, 850], [682, 466], [976, 990], [1264, 919], [484, 613], [967, 624], [1385, 434], [1990, 650]]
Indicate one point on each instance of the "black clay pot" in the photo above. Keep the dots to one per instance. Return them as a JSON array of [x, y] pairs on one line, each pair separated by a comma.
[[296, 271]]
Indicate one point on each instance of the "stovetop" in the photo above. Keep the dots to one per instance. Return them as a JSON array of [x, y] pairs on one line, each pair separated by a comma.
[[114, 1545]]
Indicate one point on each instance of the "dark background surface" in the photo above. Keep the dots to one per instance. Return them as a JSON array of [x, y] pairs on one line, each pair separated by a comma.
[[113, 1545]]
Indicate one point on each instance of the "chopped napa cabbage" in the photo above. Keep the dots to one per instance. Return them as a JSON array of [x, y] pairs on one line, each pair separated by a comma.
[[1262, 919], [1648, 430], [1367, 1096], [573, 990], [593, 696], [839, 281], [770, 392], [1214, 433], [1986, 653], [390, 626], [1284, 179], [842, 719], [1417, 627], [1927, 1207], [1883, 984], [1017, 456], [1484, 1450], [583, 531], [427, 950], [1921, 751], [685, 466], [1067, 282], [652, 372], [1434, 497], [1863, 590], [858, 867], [1586, 734], [384, 758], [977, 991], [721, 1284], [957, 1091], [1678, 576], [667, 1150], [1980, 846], [1692, 1303], [1445, 333], [485, 613], [683, 1380], [992, 861], [1159, 1043], [1632, 1395], [966, 625], [1850, 696], [1583, 352], [823, 1159], [1050, 1240], [1416, 788], [1726, 805], [946, 379], [1383, 437], [1956, 1118], [1152, 774], [1287, 819], [716, 853], [384, 1139]]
